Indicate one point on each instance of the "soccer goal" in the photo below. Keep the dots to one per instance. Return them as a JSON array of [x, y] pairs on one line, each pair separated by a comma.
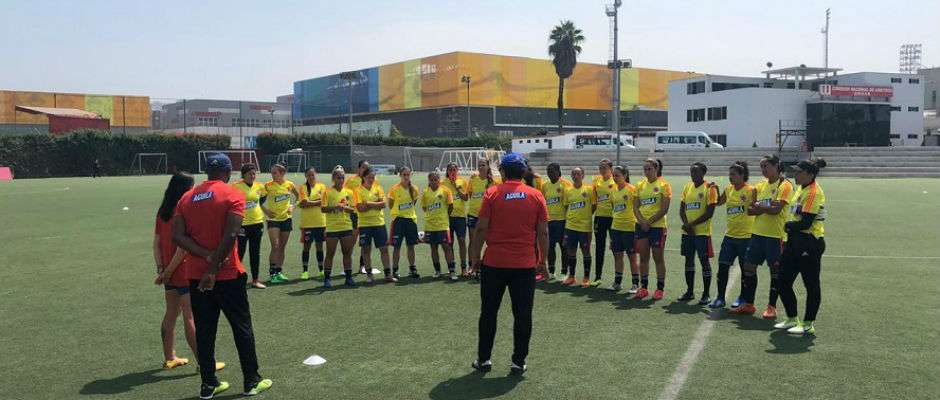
[[426, 159], [467, 160], [149, 164], [295, 160], [238, 157]]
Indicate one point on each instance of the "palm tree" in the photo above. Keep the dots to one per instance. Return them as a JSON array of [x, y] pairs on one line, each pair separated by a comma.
[[564, 48]]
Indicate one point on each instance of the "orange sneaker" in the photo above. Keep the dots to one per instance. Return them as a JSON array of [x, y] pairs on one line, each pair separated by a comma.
[[586, 283], [770, 312], [641, 294], [658, 294], [176, 362], [568, 281], [744, 309]]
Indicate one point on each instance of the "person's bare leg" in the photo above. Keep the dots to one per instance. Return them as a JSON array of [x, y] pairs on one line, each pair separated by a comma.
[[168, 326], [189, 324], [462, 249]]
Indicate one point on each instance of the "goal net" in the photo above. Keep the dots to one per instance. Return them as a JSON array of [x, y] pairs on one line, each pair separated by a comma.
[[426, 159], [238, 157], [295, 160], [467, 160], [149, 164]]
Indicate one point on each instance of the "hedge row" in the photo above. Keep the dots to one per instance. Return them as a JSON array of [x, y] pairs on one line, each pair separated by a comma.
[[42, 156], [279, 143]]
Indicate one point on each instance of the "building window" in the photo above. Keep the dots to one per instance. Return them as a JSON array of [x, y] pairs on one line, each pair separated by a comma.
[[933, 99], [896, 80], [720, 86], [791, 85], [913, 136], [913, 109], [695, 87], [894, 136], [895, 108], [913, 81], [695, 115], [528, 141], [717, 113]]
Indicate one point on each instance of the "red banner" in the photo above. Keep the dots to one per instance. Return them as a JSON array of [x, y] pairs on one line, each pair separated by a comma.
[[261, 107], [207, 113], [856, 91]]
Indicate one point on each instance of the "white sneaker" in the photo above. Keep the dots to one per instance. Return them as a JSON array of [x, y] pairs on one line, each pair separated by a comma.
[[437, 274], [485, 366], [787, 324], [615, 287], [453, 276], [633, 289], [517, 369]]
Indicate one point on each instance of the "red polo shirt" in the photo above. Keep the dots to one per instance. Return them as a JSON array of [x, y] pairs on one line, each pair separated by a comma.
[[164, 229], [514, 210], [204, 210]]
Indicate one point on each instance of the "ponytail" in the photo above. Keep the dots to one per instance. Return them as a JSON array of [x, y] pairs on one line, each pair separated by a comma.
[[741, 168]]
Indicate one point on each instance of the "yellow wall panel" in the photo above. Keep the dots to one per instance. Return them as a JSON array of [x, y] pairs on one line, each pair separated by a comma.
[[76, 101], [392, 87], [35, 99], [440, 81], [513, 81], [412, 90], [136, 110], [6, 107], [541, 83], [588, 87], [629, 88], [117, 115]]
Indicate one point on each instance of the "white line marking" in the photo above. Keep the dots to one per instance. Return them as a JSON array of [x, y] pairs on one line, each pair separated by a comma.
[[695, 348]]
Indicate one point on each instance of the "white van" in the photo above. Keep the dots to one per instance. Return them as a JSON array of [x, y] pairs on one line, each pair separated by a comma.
[[671, 140]]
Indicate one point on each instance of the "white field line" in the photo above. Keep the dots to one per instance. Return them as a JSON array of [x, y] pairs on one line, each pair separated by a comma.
[[671, 392]]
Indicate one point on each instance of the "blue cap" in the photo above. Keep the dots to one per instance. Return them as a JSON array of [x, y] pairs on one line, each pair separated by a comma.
[[514, 160], [218, 162]]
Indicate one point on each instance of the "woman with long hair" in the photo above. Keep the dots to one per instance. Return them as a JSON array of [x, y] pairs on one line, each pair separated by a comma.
[[603, 186], [436, 202], [736, 198], [339, 205], [652, 205], [460, 189], [249, 236], [312, 220], [623, 229], [370, 203], [402, 199], [479, 182], [280, 206]]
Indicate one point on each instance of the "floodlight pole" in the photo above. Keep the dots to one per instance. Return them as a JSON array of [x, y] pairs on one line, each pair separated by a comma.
[[611, 12], [349, 77], [466, 79]]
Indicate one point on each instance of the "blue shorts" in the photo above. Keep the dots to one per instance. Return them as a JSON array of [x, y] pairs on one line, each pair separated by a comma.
[[575, 238], [180, 290], [284, 226], [556, 232], [354, 217], [404, 230], [700, 244], [763, 248], [458, 226], [309, 235], [373, 234], [622, 241], [438, 237], [656, 236], [733, 248], [338, 234], [472, 221]]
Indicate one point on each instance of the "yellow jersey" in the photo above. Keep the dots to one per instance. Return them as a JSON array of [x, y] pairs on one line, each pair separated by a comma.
[[434, 203], [554, 194], [537, 182], [279, 199], [621, 202], [811, 200], [579, 203], [772, 225], [736, 203], [403, 205], [312, 217], [651, 195], [338, 221], [253, 195], [603, 189], [353, 183], [457, 187], [478, 187], [375, 216], [697, 199]]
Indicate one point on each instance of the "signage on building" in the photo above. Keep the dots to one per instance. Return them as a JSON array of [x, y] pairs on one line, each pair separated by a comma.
[[261, 107], [856, 91], [207, 113]]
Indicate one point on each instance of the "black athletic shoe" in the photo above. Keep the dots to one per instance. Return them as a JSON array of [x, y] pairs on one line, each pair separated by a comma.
[[396, 276], [208, 392], [483, 367], [516, 369], [413, 274], [705, 301], [687, 297]]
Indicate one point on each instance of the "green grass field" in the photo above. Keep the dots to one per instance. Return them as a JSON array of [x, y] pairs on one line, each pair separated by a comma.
[[80, 315]]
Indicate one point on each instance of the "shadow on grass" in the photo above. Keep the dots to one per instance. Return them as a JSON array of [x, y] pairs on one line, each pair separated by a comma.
[[475, 385], [685, 308], [128, 382], [751, 323], [630, 303], [785, 343]]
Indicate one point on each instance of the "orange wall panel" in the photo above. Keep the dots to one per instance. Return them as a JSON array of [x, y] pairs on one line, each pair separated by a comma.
[[513, 79], [440, 81], [6, 107], [588, 87], [35, 99], [541, 84], [137, 110], [76, 101], [392, 87]]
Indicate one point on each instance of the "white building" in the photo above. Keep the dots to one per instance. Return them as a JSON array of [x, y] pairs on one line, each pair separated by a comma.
[[801, 104]]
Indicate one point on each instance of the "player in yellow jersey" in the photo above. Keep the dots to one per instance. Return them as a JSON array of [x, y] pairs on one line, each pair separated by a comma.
[[736, 198], [339, 204], [249, 236], [352, 183], [280, 206], [554, 193], [804, 249], [480, 181], [312, 220], [767, 235], [650, 208], [370, 202], [460, 189], [437, 203], [696, 208], [402, 201], [623, 229], [604, 186], [580, 203]]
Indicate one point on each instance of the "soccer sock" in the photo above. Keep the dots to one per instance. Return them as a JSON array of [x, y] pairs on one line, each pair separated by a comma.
[[437, 267], [749, 286], [722, 279], [551, 260], [618, 278], [348, 273], [774, 278], [660, 284], [320, 260], [413, 269], [564, 261], [451, 266], [327, 273], [272, 269], [305, 259], [645, 281], [587, 266], [635, 279], [689, 280], [572, 263], [362, 262], [706, 277]]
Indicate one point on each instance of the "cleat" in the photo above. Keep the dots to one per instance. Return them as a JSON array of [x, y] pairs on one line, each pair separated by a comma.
[[259, 387], [208, 392], [633, 289], [804, 328], [586, 283], [658, 294], [219, 366], [362, 270], [770, 312], [641, 294], [597, 282], [614, 287], [454, 277], [737, 303], [304, 276], [539, 277], [283, 277], [327, 283], [483, 367], [744, 309], [176, 362], [320, 274], [258, 285], [788, 323], [704, 301], [414, 275], [569, 281], [396, 276], [437, 274], [391, 279], [687, 296], [718, 303], [516, 369], [350, 281]]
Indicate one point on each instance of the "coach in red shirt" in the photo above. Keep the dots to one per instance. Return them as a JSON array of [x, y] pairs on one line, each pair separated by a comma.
[[207, 219], [519, 216]]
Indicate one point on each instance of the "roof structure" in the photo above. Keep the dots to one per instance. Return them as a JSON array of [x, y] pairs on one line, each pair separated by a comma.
[[59, 112]]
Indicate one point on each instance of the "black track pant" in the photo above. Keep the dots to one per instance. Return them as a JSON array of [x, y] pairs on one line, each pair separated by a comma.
[[601, 229], [493, 283], [249, 238], [802, 256]]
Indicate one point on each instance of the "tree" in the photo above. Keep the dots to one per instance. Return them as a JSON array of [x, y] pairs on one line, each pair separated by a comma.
[[565, 45]]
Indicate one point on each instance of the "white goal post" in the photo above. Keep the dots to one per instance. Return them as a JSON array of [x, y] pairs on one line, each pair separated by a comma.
[[149, 164], [294, 160], [467, 160], [238, 157]]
